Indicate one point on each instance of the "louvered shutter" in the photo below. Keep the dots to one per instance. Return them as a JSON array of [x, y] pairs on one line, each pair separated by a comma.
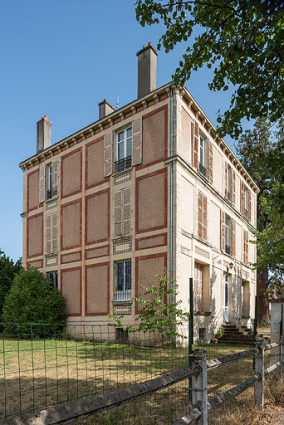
[[137, 141], [226, 180], [233, 187], [42, 183], [54, 177], [192, 143], [233, 237], [249, 205], [242, 197], [222, 231], [200, 215], [117, 213], [48, 234], [210, 168], [195, 148], [108, 154], [204, 218], [54, 233], [126, 211], [245, 246]]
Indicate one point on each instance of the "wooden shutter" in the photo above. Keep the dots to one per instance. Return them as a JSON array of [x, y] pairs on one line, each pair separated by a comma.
[[200, 215], [117, 213], [54, 177], [195, 148], [242, 197], [210, 167], [42, 183], [126, 211], [192, 143], [137, 141], [108, 154], [233, 224], [226, 180], [245, 246], [233, 187], [54, 233], [48, 234], [249, 204], [198, 287], [204, 218], [222, 231]]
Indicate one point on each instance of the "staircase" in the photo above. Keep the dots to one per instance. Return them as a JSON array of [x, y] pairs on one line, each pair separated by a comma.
[[237, 335]]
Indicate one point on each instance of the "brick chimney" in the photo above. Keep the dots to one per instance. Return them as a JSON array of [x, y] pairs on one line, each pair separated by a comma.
[[147, 67], [43, 137], [105, 108]]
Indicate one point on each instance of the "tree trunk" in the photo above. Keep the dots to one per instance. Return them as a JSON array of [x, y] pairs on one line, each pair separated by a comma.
[[262, 301]]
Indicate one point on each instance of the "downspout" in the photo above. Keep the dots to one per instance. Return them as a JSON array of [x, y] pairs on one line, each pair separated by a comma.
[[171, 192]]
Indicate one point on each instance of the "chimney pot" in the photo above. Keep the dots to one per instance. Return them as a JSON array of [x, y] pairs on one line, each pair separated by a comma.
[[105, 108], [147, 67]]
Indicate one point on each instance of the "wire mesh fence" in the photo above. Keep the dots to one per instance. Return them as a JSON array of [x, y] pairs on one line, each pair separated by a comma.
[[46, 365]]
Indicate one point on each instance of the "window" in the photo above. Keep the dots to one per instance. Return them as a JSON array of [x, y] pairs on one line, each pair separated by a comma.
[[51, 186], [201, 288], [202, 156], [51, 233], [122, 280], [246, 202], [53, 277], [202, 216], [229, 183], [122, 212], [228, 233], [123, 150]]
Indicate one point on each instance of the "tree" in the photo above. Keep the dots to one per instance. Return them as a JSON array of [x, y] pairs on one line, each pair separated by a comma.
[[155, 313], [243, 42], [8, 270], [33, 299]]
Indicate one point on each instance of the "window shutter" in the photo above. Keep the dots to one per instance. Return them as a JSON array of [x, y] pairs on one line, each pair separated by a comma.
[[42, 183], [54, 178], [233, 187], [210, 168], [137, 141], [249, 205], [204, 218], [54, 233], [117, 213], [233, 237], [126, 211], [192, 143], [222, 231], [242, 198], [226, 180], [48, 234], [195, 148], [200, 215], [245, 246], [108, 153]]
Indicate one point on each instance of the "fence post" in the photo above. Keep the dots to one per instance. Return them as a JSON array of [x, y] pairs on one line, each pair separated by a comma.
[[199, 387], [282, 355], [259, 370]]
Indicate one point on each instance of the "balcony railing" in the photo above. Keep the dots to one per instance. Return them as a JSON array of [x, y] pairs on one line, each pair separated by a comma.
[[50, 193], [227, 249], [246, 213], [123, 295], [123, 164], [203, 170]]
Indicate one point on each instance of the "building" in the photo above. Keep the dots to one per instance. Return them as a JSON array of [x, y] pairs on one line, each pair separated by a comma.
[[147, 186]]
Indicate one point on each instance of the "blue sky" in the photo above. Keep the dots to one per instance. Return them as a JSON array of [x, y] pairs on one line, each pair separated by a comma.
[[61, 58]]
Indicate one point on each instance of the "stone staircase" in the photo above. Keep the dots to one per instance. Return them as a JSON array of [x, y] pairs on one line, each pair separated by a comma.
[[237, 335]]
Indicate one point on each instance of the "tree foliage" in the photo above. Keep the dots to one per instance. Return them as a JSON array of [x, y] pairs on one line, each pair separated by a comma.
[[8, 270], [243, 41], [33, 299]]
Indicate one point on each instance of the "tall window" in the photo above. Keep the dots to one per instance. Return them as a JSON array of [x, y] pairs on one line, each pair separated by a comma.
[[53, 277], [122, 281], [198, 287], [51, 180], [123, 150], [246, 202], [228, 234], [202, 155], [229, 182]]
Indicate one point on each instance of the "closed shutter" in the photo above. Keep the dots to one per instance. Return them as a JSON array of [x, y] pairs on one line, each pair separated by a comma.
[[204, 218], [117, 213], [126, 211], [137, 141], [222, 231], [42, 183], [54, 233], [245, 246], [233, 187], [226, 180], [54, 178], [108, 154], [249, 205], [210, 168], [233, 237], [192, 143], [242, 198], [200, 215], [198, 287], [195, 148], [48, 234]]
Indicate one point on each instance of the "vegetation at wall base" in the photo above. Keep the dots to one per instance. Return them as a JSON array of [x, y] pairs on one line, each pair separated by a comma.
[[33, 299]]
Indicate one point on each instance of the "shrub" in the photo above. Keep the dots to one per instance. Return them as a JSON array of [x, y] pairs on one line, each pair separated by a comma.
[[8, 269], [33, 299]]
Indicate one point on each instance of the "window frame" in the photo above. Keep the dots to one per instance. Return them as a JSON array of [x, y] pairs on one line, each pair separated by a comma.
[[203, 155], [246, 201], [125, 162], [228, 234], [124, 294], [53, 279]]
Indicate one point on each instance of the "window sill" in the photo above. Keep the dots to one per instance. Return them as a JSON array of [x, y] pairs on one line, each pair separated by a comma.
[[54, 198], [202, 313], [126, 302], [120, 173]]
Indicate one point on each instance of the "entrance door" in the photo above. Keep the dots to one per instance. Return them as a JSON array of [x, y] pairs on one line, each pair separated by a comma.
[[226, 281]]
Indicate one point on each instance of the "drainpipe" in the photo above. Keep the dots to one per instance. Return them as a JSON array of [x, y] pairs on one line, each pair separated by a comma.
[[171, 191]]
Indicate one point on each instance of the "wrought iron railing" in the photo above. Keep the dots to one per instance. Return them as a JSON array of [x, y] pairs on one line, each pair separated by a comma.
[[50, 193], [246, 213], [123, 295], [123, 164], [203, 170], [227, 249]]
